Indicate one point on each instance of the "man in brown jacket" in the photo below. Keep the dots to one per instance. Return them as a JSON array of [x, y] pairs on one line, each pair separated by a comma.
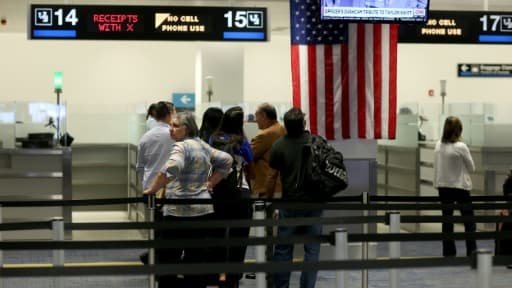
[[271, 130]]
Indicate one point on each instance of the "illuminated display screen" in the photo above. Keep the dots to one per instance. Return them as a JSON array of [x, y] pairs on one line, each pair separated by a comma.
[[486, 27], [187, 23], [375, 10]]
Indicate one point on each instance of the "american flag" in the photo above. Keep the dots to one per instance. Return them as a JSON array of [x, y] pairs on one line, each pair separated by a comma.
[[343, 75]]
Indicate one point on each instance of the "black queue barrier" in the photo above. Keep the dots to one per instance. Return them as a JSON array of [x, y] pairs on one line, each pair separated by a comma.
[[263, 267]]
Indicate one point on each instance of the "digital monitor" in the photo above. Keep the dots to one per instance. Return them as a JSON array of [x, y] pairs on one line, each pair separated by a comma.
[[392, 11]]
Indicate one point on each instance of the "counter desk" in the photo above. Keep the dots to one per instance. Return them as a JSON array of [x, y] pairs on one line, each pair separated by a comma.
[[34, 175]]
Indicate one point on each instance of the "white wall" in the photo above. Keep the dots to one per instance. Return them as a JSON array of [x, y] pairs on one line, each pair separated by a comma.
[[421, 67], [119, 77]]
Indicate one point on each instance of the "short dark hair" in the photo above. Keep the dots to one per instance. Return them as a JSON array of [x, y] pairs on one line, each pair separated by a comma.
[[151, 110], [452, 130], [269, 111], [162, 110], [294, 122]]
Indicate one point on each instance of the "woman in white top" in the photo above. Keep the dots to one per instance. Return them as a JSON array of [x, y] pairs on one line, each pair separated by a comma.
[[452, 165]]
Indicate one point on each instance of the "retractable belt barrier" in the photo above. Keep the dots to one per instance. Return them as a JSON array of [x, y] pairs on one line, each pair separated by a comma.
[[216, 242], [278, 202], [268, 267]]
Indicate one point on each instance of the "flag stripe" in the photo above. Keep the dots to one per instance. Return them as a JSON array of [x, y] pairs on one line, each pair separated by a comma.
[[377, 78], [361, 82], [385, 80], [368, 63], [304, 80], [345, 99], [393, 46], [353, 81], [320, 89], [296, 75], [312, 88], [336, 55], [329, 91]]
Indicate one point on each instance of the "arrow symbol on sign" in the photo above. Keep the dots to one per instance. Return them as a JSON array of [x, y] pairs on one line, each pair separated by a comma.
[[464, 68], [185, 99]]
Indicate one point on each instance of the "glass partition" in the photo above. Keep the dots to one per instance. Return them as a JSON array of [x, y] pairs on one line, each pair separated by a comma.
[[7, 124], [31, 124], [107, 123], [484, 124]]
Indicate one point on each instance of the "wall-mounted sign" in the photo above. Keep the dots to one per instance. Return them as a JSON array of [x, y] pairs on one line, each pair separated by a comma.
[[484, 70], [459, 27], [184, 101], [186, 23]]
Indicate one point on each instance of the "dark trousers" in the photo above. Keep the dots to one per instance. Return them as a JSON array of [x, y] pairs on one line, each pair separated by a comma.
[[459, 196], [183, 255], [230, 209]]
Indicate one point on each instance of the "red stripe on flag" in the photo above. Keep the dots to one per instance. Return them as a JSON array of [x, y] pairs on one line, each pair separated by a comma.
[[393, 42], [361, 83], [377, 80], [329, 93], [345, 100], [312, 88], [296, 75]]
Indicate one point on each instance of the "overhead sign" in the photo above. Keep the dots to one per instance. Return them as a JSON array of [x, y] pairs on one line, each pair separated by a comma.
[[185, 23], [484, 70], [460, 27]]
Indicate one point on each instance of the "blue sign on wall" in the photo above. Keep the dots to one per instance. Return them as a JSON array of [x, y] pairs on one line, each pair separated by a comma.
[[484, 70], [184, 100]]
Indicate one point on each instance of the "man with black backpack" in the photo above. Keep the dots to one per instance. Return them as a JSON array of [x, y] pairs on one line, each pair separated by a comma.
[[286, 157]]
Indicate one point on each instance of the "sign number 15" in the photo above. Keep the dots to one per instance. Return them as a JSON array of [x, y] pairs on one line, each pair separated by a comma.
[[244, 19]]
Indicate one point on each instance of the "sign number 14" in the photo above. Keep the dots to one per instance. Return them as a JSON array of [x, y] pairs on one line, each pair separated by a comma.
[[44, 17]]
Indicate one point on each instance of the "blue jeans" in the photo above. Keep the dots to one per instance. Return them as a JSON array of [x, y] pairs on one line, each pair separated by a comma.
[[284, 253]]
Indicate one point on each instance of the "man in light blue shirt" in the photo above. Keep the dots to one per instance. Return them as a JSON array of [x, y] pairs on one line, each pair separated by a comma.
[[155, 145]]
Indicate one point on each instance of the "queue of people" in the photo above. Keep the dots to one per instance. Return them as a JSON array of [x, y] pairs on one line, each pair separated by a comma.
[[178, 160], [218, 162]]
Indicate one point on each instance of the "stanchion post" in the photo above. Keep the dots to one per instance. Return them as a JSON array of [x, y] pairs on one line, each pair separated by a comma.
[[341, 253], [259, 214], [394, 248], [151, 236], [364, 245], [58, 254], [484, 268]]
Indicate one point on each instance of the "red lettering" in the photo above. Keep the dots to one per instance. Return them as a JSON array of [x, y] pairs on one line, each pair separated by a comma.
[[115, 18], [109, 27], [133, 18]]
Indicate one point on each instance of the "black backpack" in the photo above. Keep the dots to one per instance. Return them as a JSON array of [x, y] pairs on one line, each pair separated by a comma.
[[322, 169], [226, 189]]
